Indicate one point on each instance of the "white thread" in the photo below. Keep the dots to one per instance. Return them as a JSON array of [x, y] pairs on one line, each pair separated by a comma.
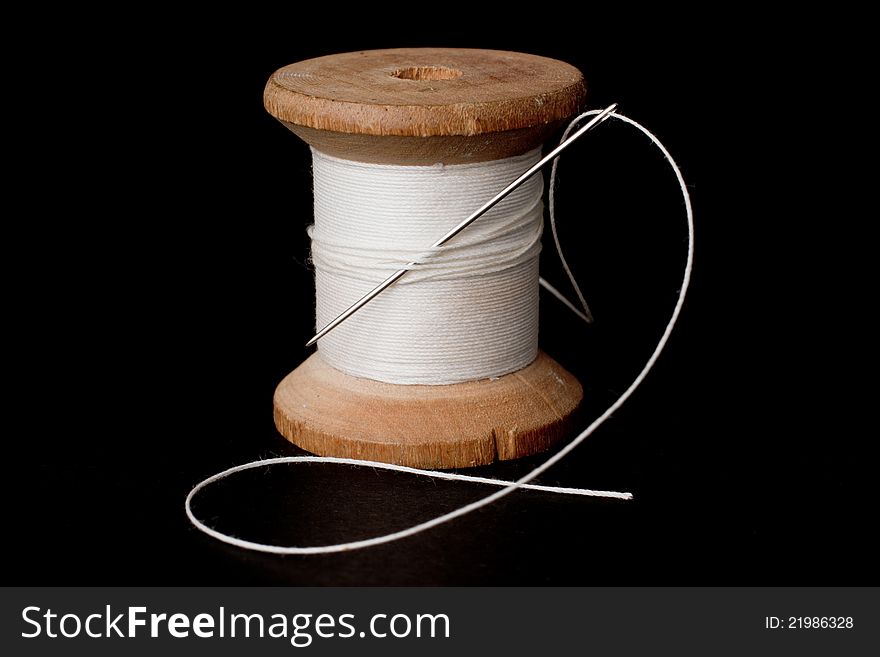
[[373, 464], [588, 318], [511, 487], [468, 310]]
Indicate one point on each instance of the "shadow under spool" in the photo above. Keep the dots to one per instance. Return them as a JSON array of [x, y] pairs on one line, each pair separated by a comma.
[[421, 106]]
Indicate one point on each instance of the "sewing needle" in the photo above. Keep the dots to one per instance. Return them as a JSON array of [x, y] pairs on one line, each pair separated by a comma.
[[488, 205]]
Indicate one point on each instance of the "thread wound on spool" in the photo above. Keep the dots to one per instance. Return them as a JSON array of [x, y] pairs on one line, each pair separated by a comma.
[[468, 310], [404, 108]]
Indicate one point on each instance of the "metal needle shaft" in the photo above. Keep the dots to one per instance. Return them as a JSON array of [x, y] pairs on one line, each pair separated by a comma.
[[488, 205]]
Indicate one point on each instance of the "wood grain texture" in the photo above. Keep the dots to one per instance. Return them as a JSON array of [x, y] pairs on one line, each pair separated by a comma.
[[467, 424], [424, 151], [416, 106], [358, 92], [496, 104]]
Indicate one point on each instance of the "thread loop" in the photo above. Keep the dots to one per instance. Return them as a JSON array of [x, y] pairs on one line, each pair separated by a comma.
[[508, 488]]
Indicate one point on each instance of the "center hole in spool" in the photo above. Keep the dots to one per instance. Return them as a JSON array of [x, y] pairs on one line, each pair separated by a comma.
[[427, 73]]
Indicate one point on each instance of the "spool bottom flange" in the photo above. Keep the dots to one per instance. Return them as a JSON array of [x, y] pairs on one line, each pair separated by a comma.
[[462, 425]]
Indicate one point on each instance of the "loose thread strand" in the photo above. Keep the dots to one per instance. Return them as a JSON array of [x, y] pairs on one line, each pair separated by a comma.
[[508, 487]]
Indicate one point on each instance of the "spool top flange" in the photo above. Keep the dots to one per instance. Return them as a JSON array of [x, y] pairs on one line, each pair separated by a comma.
[[425, 105]]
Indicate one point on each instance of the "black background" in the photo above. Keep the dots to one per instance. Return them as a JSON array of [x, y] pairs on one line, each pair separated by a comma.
[[166, 295]]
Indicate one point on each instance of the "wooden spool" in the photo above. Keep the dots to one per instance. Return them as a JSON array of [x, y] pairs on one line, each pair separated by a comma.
[[417, 106]]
